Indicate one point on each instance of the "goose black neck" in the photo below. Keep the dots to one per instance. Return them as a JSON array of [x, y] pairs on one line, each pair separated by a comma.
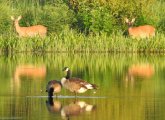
[[68, 75]]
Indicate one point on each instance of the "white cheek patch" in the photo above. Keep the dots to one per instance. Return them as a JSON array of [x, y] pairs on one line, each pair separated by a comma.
[[67, 69]]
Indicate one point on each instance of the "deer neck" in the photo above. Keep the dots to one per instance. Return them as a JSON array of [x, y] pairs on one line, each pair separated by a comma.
[[17, 26]]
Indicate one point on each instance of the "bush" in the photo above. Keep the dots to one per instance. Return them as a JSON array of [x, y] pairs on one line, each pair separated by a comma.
[[108, 16], [94, 18], [5, 21]]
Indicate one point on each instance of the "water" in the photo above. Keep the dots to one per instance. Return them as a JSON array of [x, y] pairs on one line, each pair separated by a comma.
[[131, 87]]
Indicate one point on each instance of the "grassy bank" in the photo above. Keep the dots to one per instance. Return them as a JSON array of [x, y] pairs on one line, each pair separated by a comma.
[[70, 41], [89, 26]]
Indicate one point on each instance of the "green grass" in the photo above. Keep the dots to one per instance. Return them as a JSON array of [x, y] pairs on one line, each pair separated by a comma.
[[71, 41]]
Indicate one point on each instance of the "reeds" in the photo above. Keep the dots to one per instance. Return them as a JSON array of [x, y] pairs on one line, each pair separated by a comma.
[[71, 41]]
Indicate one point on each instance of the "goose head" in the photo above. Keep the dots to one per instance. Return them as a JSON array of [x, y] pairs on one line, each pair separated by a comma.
[[66, 69]]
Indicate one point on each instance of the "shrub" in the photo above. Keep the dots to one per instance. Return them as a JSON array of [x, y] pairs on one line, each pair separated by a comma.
[[108, 16], [5, 21], [94, 18]]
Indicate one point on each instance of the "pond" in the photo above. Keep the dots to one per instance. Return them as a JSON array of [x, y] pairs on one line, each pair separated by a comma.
[[131, 87]]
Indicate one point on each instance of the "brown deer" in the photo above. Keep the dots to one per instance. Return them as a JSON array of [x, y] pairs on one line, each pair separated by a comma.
[[30, 31], [145, 31]]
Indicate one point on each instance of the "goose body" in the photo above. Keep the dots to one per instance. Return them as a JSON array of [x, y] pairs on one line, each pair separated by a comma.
[[53, 86], [74, 84]]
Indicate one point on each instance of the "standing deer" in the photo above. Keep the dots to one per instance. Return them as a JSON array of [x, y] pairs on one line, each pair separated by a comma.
[[29, 31], [144, 31]]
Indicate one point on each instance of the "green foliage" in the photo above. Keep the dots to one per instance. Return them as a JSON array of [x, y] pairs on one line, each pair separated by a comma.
[[94, 18], [108, 16], [160, 16], [56, 17], [5, 21]]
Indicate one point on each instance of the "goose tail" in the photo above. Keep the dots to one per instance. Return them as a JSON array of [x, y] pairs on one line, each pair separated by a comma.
[[91, 86], [94, 86]]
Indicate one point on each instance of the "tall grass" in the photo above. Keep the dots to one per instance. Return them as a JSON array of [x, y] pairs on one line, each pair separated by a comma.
[[71, 41]]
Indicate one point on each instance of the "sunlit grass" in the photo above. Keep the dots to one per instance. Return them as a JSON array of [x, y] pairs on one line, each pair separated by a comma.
[[71, 41]]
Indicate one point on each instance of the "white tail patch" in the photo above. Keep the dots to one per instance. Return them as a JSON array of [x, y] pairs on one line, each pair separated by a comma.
[[82, 104], [82, 90], [89, 86], [89, 108]]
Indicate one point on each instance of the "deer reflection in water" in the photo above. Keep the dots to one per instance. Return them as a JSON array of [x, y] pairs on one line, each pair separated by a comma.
[[28, 70], [144, 71], [74, 108]]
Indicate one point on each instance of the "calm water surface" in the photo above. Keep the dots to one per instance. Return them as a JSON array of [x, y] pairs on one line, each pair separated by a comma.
[[131, 87]]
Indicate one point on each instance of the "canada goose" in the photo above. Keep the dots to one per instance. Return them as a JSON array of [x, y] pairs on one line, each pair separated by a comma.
[[53, 86], [75, 85]]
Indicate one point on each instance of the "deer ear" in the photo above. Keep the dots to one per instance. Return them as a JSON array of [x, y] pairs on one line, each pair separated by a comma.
[[12, 18], [19, 17], [126, 20], [133, 20]]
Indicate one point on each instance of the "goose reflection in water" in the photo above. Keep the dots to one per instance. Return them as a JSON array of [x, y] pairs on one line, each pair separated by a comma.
[[74, 108], [53, 106]]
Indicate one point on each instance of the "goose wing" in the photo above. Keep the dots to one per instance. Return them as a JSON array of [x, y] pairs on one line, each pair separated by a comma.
[[82, 83]]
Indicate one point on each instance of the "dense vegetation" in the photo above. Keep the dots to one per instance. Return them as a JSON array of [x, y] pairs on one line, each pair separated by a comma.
[[78, 25]]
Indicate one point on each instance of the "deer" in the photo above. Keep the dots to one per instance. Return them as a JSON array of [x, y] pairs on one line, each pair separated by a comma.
[[30, 31], [145, 31]]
